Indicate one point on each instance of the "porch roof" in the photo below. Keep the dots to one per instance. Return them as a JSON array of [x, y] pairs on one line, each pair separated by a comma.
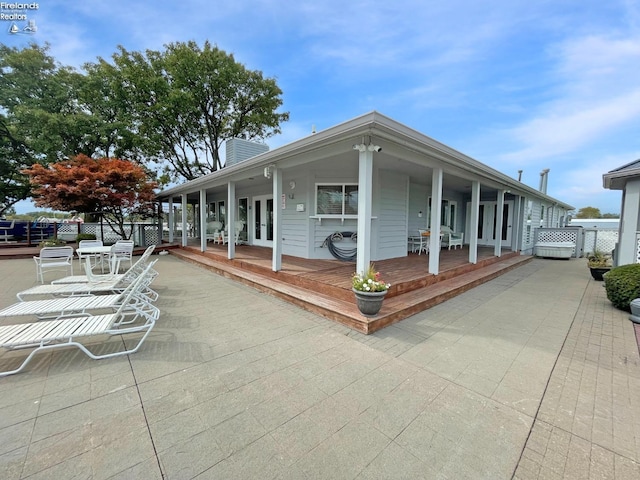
[[617, 178], [396, 139]]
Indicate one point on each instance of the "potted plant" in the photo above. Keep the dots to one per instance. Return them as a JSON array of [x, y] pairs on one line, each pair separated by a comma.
[[599, 263], [370, 290]]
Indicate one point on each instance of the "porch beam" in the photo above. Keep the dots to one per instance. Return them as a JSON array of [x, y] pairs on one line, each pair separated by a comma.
[[203, 220], [184, 220], [231, 220], [473, 222], [171, 220], [365, 208], [276, 260], [436, 220], [627, 231], [499, 224]]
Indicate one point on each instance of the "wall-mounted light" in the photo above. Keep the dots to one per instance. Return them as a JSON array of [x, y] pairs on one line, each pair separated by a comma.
[[420, 214]]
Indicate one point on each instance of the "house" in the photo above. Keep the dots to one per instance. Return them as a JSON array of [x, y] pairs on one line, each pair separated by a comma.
[[627, 179], [376, 182]]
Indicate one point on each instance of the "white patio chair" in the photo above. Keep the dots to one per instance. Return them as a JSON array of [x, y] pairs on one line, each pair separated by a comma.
[[95, 258], [213, 231], [66, 331], [422, 244], [53, 258], [122, 250], [239, 226], [451, 238]]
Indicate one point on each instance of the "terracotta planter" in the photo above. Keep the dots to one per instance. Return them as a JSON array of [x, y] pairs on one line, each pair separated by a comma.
[[598, 272], [369, 303]]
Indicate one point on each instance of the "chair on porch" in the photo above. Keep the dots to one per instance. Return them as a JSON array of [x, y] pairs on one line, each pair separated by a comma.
[[451, 238], [422, 243], [213, 231]]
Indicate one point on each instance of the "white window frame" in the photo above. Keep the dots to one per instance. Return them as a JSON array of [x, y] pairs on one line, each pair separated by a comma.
[[342, 214]]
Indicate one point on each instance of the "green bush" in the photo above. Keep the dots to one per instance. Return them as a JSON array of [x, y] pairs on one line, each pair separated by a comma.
[[85, 236], [623, 285], [52, 242]]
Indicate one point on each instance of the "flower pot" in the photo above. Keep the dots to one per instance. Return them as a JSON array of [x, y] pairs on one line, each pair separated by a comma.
[[635, 310], [598, 272], [369, 303]]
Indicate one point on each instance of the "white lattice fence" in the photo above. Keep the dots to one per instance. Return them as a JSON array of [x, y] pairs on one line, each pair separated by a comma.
[[637, 248], [600, 240]]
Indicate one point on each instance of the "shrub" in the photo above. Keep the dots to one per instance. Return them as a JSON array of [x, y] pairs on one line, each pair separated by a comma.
[[85, 236], [623, 285], [52, 242]]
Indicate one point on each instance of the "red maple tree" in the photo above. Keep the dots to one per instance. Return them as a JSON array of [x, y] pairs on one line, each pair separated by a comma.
[[116, 189]]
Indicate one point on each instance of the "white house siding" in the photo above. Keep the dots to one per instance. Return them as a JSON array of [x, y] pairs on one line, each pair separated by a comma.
[[390, 207], [418, 202]]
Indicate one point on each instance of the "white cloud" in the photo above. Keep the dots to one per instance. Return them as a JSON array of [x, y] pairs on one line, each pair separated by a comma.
[[596, 93]]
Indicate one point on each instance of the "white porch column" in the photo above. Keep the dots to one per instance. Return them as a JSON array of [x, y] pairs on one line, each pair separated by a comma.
[[473, 222], [626, 251], [499, 221], [203, 220], [277, 220], [184, 220], [365, 208], [171, 220], [436, 220], [231, 220]]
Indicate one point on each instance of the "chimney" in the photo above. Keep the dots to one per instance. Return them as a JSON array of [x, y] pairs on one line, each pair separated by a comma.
[[543, 180], [519, 175]]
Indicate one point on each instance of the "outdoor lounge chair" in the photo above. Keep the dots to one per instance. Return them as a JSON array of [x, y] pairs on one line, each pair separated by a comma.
[[66, 331], [85, 305], [84, 289]]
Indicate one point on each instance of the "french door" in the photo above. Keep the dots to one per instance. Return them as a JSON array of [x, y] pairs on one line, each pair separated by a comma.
[[488, 230], [263, 220]]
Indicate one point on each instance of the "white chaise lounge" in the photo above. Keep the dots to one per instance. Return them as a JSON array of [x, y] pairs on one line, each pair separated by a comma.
[[66, 332]]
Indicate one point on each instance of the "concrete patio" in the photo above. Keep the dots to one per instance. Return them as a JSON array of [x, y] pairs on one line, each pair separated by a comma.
[[531, 375]]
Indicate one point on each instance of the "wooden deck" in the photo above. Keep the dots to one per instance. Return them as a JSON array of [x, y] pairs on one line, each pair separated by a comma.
[[324, 286]]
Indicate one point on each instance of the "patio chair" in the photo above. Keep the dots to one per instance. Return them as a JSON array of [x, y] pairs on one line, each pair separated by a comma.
[[122, 250], [53, 258], [5, 230], [422, 242], [95, 257], [85, 305], [239, 226], [213, 231], [451, 238], [66, 331]]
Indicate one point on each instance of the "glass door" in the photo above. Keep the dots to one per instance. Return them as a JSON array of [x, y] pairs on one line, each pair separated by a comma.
[[263, 220]]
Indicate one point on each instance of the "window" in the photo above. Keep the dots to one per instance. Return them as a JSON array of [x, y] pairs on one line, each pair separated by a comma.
[[336, 199]]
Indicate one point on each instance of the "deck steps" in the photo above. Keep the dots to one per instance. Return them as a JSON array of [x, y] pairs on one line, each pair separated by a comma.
[[342, 307]]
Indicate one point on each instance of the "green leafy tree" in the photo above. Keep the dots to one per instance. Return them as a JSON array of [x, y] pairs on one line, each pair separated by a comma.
[[185, 102], [588, 212]]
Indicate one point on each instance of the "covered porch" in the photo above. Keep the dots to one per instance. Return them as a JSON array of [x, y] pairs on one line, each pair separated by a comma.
[[324, 286]]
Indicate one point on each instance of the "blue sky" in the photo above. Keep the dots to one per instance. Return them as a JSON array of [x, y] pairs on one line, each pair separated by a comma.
[[516, 85]]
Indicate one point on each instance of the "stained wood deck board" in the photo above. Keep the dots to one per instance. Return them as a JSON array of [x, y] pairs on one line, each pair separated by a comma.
[[324, 286]]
